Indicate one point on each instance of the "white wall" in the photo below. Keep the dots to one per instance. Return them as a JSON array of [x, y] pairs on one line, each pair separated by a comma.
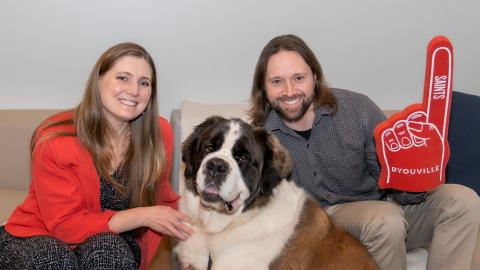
[[206, 50]]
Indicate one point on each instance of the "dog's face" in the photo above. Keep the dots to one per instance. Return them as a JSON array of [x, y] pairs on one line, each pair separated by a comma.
[[231, 165]]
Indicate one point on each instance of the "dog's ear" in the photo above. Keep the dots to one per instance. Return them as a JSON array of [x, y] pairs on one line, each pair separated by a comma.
[[191, 146], [188, 150], [277, 162]]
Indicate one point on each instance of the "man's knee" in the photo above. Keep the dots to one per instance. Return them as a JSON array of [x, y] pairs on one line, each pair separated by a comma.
[[389, 225], [461, 200]]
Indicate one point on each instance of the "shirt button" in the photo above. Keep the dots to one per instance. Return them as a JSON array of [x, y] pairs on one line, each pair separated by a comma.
[[308, 145], [314, 173], [327, 196]]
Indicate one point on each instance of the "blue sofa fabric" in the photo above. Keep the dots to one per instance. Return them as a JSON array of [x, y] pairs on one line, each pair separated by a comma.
[[463, 136]]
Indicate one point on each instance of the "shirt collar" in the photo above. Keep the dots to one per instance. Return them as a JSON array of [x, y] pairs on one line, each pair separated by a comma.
[[275, 122], [322, 110]]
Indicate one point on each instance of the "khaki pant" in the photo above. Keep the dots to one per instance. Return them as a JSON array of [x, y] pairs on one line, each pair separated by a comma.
[[447, 222]]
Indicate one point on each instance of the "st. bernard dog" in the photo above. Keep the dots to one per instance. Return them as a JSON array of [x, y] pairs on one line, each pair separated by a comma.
[[246, 214]]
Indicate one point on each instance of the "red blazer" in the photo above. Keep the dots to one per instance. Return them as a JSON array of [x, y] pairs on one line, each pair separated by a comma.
[[64, 196]]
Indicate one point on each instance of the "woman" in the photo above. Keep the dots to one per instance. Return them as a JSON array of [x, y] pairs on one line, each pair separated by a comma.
[[100, 196]]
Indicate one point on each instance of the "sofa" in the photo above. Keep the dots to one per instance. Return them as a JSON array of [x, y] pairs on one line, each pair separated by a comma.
[[17, 127]]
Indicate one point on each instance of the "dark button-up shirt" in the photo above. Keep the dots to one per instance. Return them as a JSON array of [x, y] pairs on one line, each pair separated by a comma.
[[338, 162]]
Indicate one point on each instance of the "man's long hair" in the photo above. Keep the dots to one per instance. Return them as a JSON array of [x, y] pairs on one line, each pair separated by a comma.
[[145, 156], [260, 106]]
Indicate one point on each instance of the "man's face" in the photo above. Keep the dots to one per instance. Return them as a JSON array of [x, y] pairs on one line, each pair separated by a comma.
[[289, 84]]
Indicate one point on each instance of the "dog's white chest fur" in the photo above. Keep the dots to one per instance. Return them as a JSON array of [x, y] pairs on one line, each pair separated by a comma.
[[248, 240]]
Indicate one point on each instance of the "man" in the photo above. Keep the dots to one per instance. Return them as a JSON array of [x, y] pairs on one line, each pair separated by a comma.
[[329, 133]]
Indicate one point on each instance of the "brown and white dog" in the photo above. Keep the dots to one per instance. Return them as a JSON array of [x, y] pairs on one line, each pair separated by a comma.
[[246, 214]]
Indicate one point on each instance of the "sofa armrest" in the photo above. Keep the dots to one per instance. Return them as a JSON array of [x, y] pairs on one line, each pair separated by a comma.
[[175, 121]]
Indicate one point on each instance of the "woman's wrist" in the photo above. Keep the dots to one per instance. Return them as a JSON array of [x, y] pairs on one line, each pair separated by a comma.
[[143, 219], [129, 219]]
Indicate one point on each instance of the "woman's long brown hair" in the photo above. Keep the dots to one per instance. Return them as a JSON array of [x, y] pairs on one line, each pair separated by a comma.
[[145, 156]]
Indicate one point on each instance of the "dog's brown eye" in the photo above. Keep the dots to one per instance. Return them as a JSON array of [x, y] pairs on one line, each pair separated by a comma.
[[207, 148], [242, 159]]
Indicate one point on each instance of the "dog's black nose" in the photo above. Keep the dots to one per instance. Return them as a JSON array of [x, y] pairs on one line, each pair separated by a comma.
[[217, 167]]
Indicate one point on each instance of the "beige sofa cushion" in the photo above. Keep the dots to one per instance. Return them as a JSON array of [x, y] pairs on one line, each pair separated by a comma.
[[9, 199], [193, 113], [16, 128]]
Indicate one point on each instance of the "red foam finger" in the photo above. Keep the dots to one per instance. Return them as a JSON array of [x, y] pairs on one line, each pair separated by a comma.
[[412, 146], [438, 83]]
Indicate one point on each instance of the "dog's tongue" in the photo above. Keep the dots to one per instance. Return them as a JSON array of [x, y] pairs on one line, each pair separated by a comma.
[[211, 189]]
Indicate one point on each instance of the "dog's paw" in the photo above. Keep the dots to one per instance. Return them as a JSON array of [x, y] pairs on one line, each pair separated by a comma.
[[199, 265], [193, 252], [190, 260]]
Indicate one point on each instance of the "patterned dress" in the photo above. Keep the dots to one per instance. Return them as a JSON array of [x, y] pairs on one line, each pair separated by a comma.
[[111, 199]]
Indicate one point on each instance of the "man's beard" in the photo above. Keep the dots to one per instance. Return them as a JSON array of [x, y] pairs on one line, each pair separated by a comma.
[[292, 115]]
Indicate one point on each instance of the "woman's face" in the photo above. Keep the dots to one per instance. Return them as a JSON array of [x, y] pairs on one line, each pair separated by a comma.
[[125, 90]]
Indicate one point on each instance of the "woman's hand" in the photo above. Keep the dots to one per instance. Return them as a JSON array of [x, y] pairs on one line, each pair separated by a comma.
[[169, 221], [163, 219]]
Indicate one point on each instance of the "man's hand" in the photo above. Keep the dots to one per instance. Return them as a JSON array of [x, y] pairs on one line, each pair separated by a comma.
[[412, 145]]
